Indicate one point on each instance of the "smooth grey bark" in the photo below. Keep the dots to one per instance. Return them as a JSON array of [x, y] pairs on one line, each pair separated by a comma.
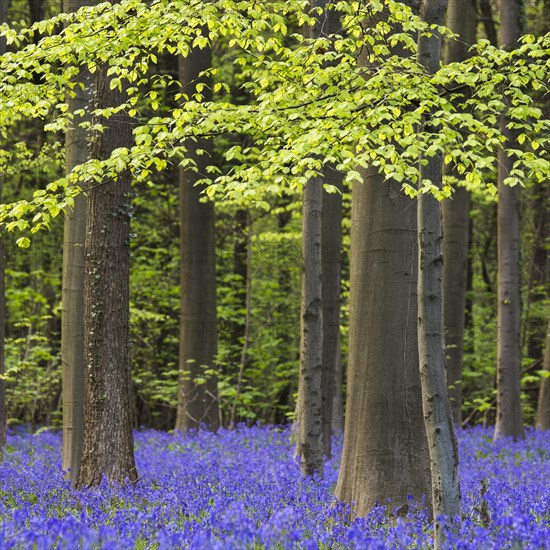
[[331, 376], [72, 293], [108, 445], [385, 453], [461, 19], [310, 420], [509, 421], [197, 403], [3, 320], [438, 419], [331, 236], [543, 406]]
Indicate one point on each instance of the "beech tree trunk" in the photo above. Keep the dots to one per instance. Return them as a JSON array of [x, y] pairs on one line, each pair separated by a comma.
[[310, 419], [331, 377], [240, 252], [197, 402], [509, 420], [108, 445], [461, 19], [385, 453], [431, 346], [247, 281], [72, 297], [3, 320], [543, 408]]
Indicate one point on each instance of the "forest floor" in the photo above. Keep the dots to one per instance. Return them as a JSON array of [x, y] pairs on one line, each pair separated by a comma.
[[243, 489]]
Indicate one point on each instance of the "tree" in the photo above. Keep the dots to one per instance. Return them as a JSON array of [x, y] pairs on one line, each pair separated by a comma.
[[242, 248], [385, 450], [431, 346], [197, 395], [331, 376], [331, 250], [461, 19], [72, 299], [509, 417], [310, 389], [108, 445], [543, 408], [310, 420]]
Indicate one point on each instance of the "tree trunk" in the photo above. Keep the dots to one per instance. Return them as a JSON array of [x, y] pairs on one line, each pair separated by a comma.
[[431, 346], [197, 402], [385, 452], [36, 11], [488, 21], [108, 446], [461, 19], [247, 280], [240, 253], [310, 420], [331, 235], [543, 408], [3, 320], [72, 298], [509, 417]]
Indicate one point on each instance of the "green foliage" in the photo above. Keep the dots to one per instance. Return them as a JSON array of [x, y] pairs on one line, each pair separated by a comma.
[[32, 360], [313, 101]]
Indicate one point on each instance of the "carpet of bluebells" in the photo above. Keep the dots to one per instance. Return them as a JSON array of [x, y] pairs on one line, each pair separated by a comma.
[[242, 489]]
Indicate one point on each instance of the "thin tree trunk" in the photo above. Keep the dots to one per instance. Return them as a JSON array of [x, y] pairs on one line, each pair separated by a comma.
[[385, 452], [543, 408], [461, 19], [108, 445], [331, 235], [319, 335], [331, 377], [509, 420], [197, 402], [36, 10], [431, 346], [488, 21], [248, 305], [72, 298], [310, 421], [237, 327], [3, 320]]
